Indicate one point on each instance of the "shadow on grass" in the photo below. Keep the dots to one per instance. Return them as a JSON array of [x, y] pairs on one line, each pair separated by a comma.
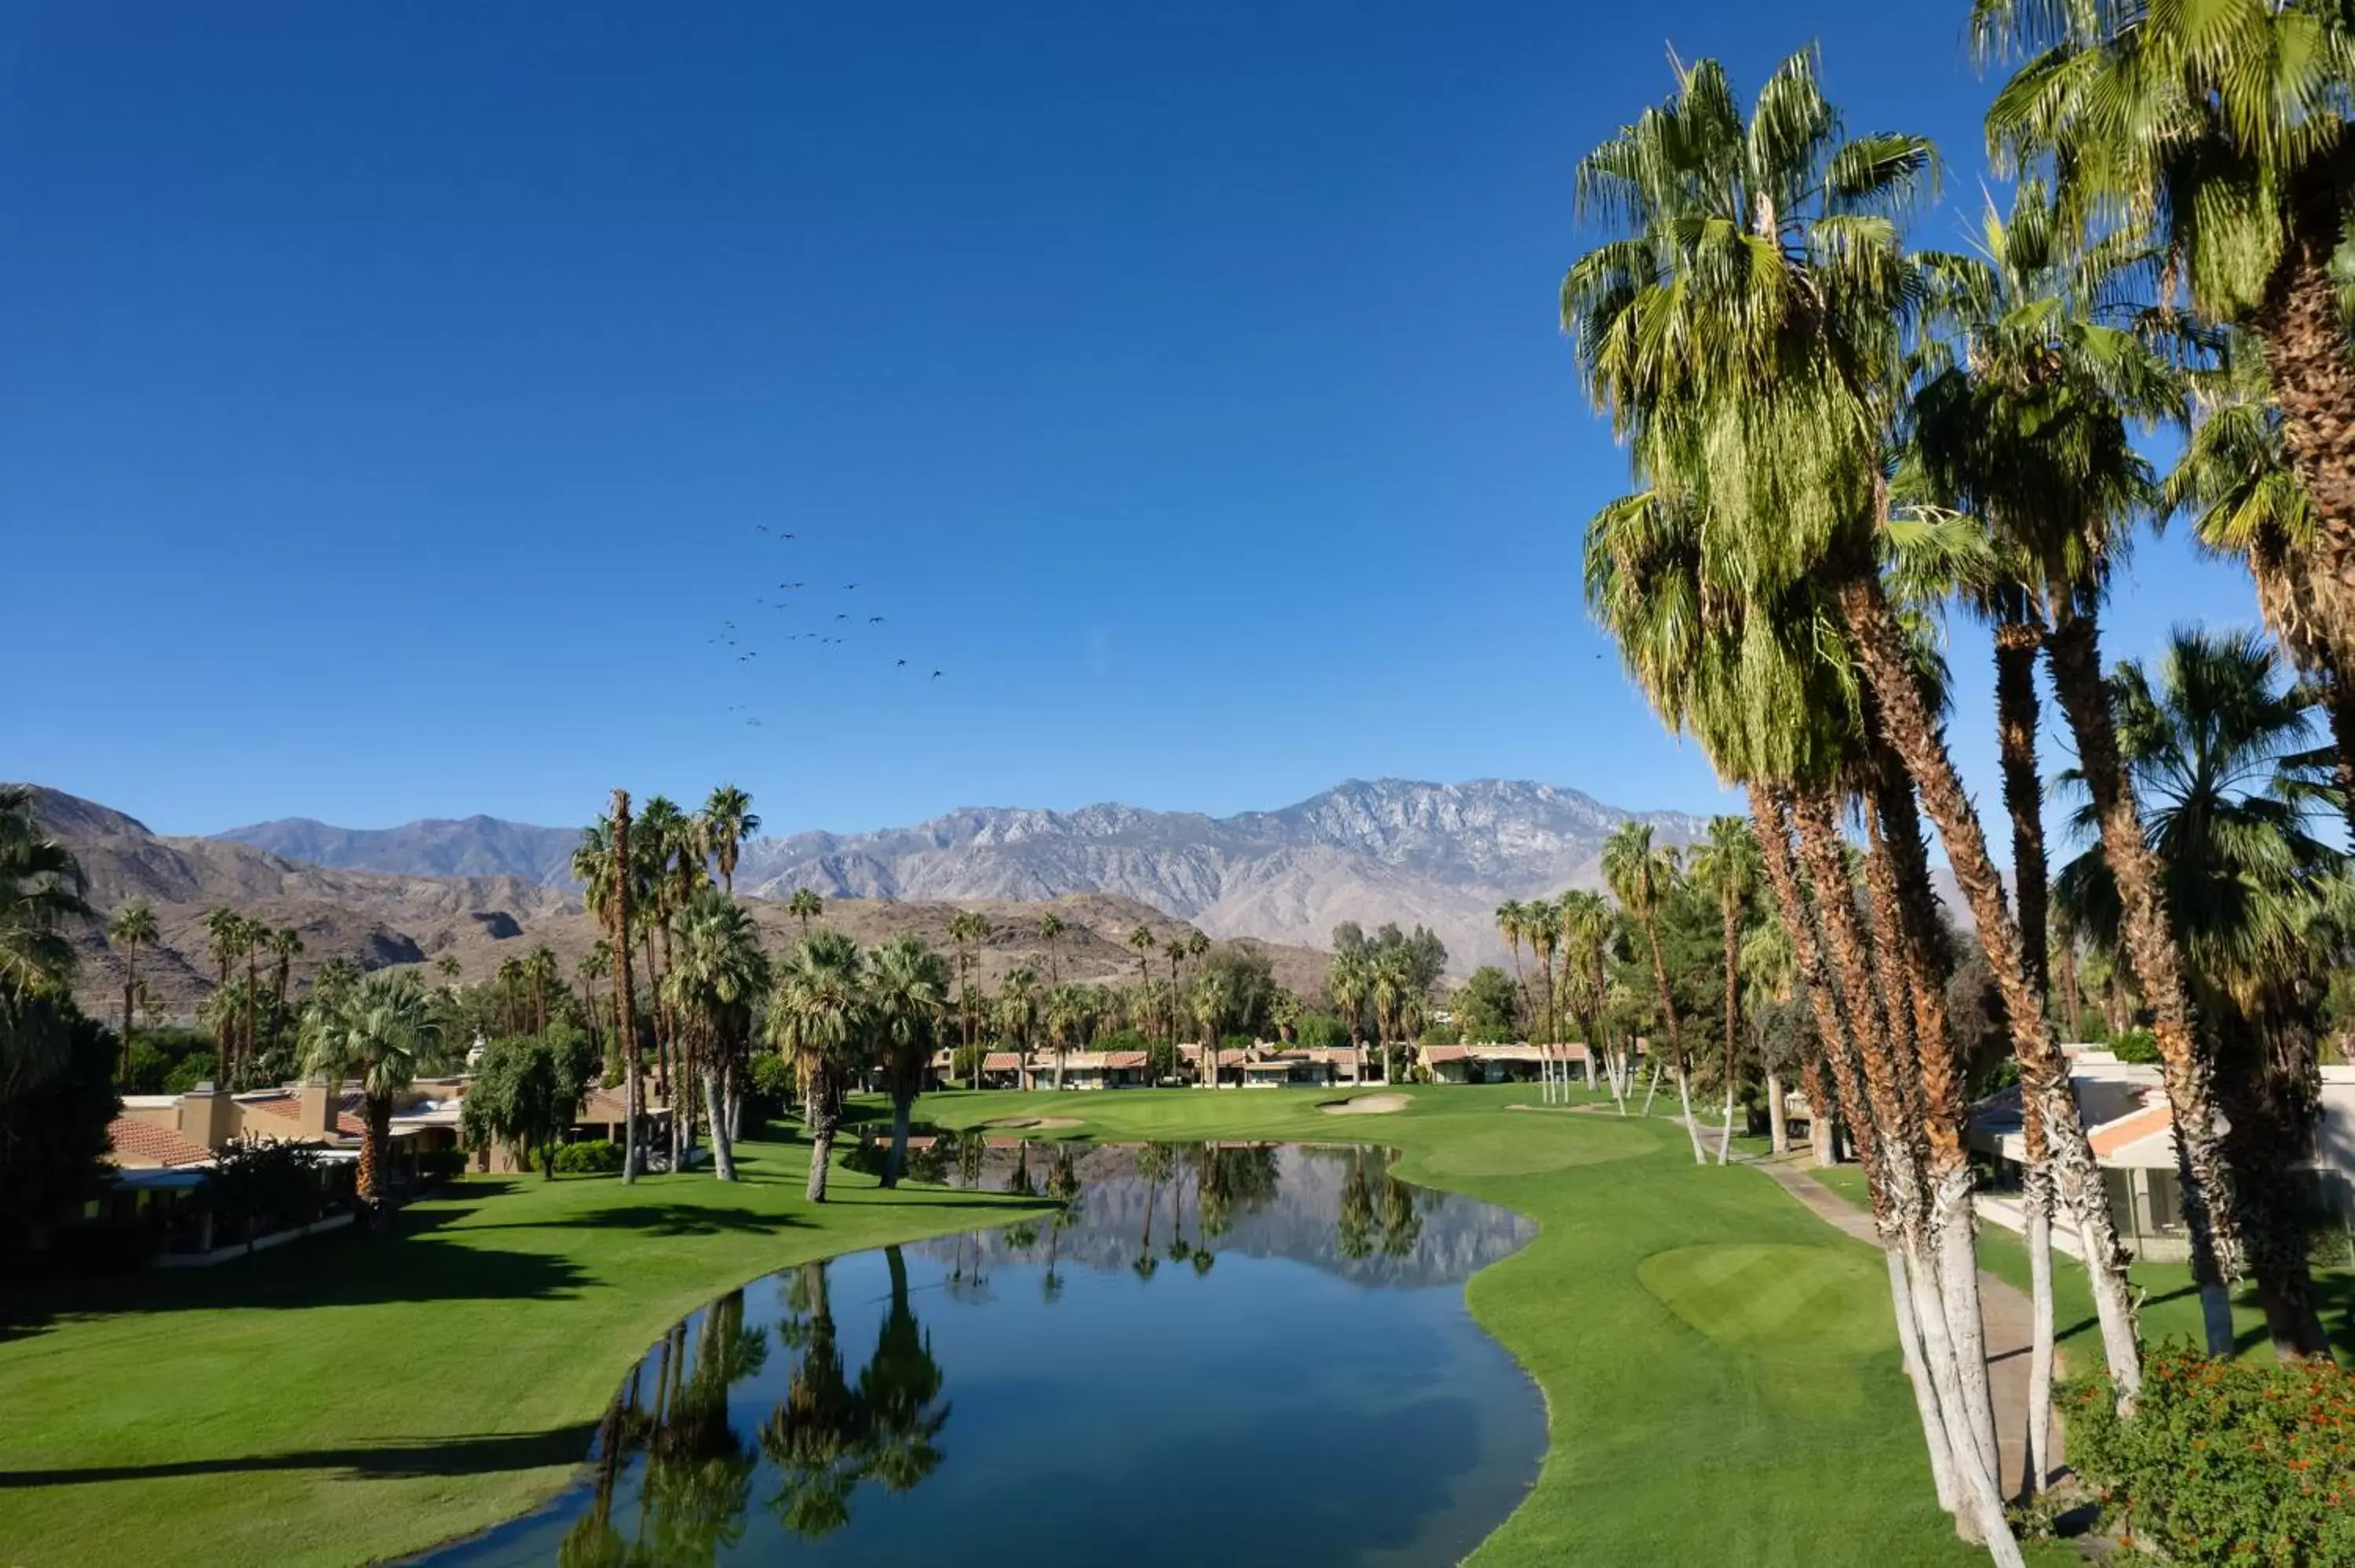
[[459, 1455], [659, 1219]]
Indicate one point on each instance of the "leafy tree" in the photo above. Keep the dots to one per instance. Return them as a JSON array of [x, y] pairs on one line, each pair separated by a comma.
[[53, 1143], [908, 983], [805, 906], [1486, 1006], [716, 974], [817, 1016], [728, 823], [527, 1091]]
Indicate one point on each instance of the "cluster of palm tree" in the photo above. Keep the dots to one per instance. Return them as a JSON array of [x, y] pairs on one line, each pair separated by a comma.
[[41, 888], [250, 1009], [1837, 438]]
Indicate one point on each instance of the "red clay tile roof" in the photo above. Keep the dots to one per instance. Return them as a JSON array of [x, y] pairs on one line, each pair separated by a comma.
[[1446, 1052], [2109, 1139], [1116, 1060], [1001, 1062], [290, 1108], [150, 1145]]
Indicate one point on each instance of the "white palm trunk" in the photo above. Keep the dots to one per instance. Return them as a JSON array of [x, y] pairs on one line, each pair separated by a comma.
[[1925, 1399], [1692, 1127], [1952, 1231], [1979, 1518], [1654, 1090], [1725, 1127], [723, 1154], [2037, 1198], [1778, 1131]]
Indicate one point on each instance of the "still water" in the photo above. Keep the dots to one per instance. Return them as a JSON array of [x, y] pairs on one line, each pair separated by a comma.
[[1221, 1355]]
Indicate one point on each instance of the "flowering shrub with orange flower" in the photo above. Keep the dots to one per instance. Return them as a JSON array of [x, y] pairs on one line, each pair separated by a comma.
[[2225, 1462]]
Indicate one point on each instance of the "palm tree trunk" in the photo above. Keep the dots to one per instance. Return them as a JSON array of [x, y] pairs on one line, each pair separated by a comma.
[[2016, 715], [2036, 1201], [1779, 1128], [1917, 1373], [2218, 1256], [376, 1144], [1921, 742], [1732, 938], [903, 1105], [818, 1112], [129, 991], [723, 1156], [2314, 383], [626, 1026], [1692, 1127]]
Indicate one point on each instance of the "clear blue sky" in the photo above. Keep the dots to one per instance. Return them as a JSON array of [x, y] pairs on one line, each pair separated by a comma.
[[391, 394]]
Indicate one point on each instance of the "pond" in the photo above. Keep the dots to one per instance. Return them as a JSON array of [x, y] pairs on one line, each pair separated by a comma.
[[1218, 1353]]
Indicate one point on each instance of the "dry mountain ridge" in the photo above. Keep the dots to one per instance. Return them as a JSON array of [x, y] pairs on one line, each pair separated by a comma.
[[1389, 849], [379, 919]]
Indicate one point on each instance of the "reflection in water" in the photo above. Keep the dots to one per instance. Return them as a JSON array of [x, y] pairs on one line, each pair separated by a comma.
[[1308, 1329]]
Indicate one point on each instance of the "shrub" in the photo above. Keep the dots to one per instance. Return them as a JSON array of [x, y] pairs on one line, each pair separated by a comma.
[[2138, 1045], [2226, 1462], [1322, 1032], [440, 1164], [261, 1185], [593, 1156]]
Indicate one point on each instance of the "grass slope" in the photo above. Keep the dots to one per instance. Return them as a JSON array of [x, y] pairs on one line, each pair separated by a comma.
[[1721, 1380]]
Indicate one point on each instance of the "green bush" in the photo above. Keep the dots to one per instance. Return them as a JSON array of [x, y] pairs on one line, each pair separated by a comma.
[[2226, 1462], [1322, 1032], [593, 1157], [2138, 1045], [440, 1164], [773, 1081]]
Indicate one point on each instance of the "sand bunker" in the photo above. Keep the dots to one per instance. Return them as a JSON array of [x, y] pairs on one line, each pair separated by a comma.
[[1034, 1123], [1366, 1105]]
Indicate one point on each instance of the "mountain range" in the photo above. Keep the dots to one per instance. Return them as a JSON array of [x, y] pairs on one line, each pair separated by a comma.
[[1442, 855]]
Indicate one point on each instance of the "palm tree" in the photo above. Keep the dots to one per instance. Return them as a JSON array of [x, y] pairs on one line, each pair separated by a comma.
[[1050, 926], [224, 931], [967, 926], [132, 927], [1017, 1014], [2227, 128], [2236, 480], [1070, 1015], [605, 865], [2219, 744], [1513, 924], [729, 823], [1212, 1001], [540, 972], [1728, 868], [717, 972], [1352, 987], [1640, 877], [1742, 327], [818, 1016], [254, 934], [805, 906], [378, 1031], [2030, 431], [285, 945], [908, 988], [1141, 942], [41, 887], [510, 978], [1389, 987], [593, 966], [448, 967], [1586, 928], [1543, 919]]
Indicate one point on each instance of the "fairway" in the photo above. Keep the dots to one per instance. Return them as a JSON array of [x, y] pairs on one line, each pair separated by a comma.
[[1721, 1380]]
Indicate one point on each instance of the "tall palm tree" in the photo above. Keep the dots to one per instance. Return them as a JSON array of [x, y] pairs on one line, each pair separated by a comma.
[[2219, 744], [818, 1017], [717, 973], [1212, 1001], [1544, 931], [253, 937], [593, 966], [729, 823], [1141, 943], [285, 945], [805, 906], [908, 988], [967, 926], [1051, 928], [1742, 326], [1728, 868], [1019, 1004], [540, 972], [2028, 429], [224, 931], [130, 928], [1070, 1011], [605, 864], [2226, 126], [1351, 986], [1390, 988], [1513, 924], [1640, 877], [378, 1031], [510, 979], [1586, 927]]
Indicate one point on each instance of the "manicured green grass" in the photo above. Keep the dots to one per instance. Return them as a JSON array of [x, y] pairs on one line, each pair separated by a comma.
[[344, 1398], [1721, 1381]]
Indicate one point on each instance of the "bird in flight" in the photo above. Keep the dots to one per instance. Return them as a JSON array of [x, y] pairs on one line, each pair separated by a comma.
[[789, 535], [938, 674], [900, 664], [842, 617], [789, 584], [874, 620], [847, 587]]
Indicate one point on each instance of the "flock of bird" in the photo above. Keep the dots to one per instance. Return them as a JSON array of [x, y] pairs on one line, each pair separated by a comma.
[[731, 637]]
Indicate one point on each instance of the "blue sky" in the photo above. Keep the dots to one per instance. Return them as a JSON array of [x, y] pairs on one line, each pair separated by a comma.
[[391, 396]]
